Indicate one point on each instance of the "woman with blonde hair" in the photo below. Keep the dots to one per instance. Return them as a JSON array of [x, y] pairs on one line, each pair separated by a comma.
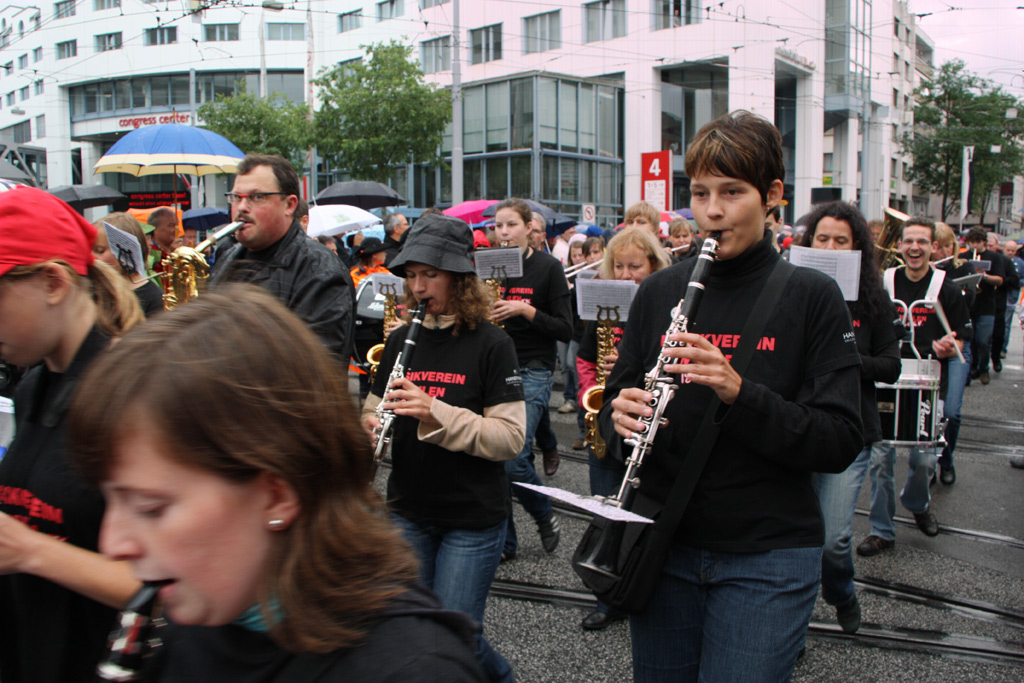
[[239, 481], [59, 310]]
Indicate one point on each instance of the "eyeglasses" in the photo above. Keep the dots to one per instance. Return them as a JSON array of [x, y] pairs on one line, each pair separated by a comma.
[[253, 197]]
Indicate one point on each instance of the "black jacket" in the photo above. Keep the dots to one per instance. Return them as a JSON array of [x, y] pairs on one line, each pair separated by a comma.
[[307, 277]]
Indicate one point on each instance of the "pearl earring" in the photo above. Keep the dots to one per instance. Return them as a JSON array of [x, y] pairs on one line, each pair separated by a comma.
[[275, 524]]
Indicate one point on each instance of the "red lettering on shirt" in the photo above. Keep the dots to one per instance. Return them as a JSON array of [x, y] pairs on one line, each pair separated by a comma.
[[33, 506]]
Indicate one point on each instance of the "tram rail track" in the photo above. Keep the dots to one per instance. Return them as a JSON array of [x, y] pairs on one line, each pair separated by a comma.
[[871, 635]]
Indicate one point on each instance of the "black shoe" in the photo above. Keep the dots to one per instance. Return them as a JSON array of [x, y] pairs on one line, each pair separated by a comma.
[[551, 461], [984, 377], [997, 365], [927, 523], [948, 476], [872, 545], [507, 556], [597, 621], [550, 531], [1017, 461], [848, 615]]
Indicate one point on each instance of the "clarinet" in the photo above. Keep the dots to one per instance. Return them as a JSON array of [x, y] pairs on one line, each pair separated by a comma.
[[134, 638], [659, 383], [386, 418]]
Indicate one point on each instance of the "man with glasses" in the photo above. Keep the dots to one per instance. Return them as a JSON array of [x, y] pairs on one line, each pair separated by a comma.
[[274, 253]]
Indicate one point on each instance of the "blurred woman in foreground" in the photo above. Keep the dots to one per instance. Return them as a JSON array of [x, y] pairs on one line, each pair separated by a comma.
[[236, 471]]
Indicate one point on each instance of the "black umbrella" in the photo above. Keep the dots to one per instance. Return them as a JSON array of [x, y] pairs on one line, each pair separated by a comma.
[[9, 171], [86, 196], [205, 218], [366, 194]]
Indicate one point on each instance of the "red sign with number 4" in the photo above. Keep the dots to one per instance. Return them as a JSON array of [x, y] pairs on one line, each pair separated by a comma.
[[656, 179]]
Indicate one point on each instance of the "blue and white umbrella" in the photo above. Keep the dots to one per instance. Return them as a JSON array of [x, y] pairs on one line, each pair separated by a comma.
[[170, 148]]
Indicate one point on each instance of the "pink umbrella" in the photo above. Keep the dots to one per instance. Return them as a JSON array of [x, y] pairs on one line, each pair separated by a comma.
[[471, 211]]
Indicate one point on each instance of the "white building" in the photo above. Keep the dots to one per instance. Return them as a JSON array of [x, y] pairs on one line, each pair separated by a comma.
[[561, 98]]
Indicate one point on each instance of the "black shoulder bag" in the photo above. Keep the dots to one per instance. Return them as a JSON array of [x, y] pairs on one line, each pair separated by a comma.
[[643, 548]]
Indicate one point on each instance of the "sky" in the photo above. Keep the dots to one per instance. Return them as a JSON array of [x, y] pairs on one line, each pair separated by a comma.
[[987, 34]]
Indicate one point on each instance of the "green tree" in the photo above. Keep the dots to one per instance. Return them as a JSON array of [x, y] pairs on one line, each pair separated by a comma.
[[379, 112], [955, 109], [274, 125]]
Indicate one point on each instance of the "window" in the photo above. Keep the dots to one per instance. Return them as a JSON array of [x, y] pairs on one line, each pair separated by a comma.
[[542, 32], [350, 21], [286, 31], [10, 99], [431, 3], [23, 93], [486, 43], [67, 49], [41, 126], [38, 87], [672, 13], [37, 54], [108, 41], [64, 9], [604, 20], [390, 9], [220, 32], [165, 35], [20, 132], [437, 55], [8, 68], [106, 4], [23, 61]]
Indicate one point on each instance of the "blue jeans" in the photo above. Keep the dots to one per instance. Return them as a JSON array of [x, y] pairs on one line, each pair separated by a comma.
[[567, 354], [915, 495], [726, 616], [956, 378], [883, 491], [837, 494], [981, 343], [537, 388], [459, 565], [1011, 308]]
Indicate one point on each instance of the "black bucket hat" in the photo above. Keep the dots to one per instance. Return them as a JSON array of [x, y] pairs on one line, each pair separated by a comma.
[[443, 242], [369, 246]]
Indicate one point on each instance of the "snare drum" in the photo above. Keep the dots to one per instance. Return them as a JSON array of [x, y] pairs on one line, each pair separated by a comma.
[[910, 409]]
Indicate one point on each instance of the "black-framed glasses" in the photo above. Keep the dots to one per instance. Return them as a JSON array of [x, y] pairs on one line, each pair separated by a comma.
[[253, 197]]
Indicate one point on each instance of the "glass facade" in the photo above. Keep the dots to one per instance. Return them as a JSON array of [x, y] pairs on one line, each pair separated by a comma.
[[848, 47]]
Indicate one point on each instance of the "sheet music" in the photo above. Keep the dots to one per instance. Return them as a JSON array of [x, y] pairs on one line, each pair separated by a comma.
[[594, 298], [983, 266], [588, 503], [968, 280], [126, 249], [385, 284], [841, 266], [498, 263]]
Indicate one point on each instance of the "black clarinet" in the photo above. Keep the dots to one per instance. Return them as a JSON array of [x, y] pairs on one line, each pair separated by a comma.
[[387, 417], [135, 637]]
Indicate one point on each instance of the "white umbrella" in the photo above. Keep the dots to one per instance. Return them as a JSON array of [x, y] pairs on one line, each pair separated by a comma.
[[338, 219]]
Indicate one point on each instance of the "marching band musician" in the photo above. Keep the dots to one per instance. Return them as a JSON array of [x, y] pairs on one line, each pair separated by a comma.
[[840, 226], [735, 595], [461, 414], [633, 254], [916, 281], [535, 311]]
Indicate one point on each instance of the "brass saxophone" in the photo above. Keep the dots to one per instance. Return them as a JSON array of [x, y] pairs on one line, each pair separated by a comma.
[[390, 317], [386, 418], [186, 269], [593, 398]]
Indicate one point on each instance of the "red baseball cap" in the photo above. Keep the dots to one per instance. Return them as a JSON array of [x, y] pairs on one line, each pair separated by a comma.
[[35, 226]]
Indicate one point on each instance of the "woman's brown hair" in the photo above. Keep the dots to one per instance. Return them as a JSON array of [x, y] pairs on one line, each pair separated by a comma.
[[243, 387], [518, 205], [470, 302]]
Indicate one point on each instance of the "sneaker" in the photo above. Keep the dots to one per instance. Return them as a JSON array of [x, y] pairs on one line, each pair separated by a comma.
[[579, 444], [948, 476], [550, 531], [568, 407], [848, 615], [927, 523], [872, 545], [997, 365], [984, 377]]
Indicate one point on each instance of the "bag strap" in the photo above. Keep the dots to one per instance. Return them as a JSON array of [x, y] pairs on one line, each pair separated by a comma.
[[706, 436]]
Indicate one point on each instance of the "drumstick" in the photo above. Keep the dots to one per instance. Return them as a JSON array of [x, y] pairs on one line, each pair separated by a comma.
[[945, 324]]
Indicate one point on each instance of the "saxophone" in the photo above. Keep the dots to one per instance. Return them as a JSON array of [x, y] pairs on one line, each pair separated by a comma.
[[386, 418], [186, 269], [593, 398], [375, 352], [602, 558], [135, 636]]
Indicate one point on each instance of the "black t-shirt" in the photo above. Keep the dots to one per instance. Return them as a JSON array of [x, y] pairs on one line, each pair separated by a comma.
[[964, 270], [985, 302], [927, 326], [798, 410], [150, 297], [415, 641], [49, 634], [475, 369], [543, 286]]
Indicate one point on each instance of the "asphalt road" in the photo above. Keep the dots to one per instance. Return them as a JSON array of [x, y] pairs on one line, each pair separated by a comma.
[[949, 608]]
